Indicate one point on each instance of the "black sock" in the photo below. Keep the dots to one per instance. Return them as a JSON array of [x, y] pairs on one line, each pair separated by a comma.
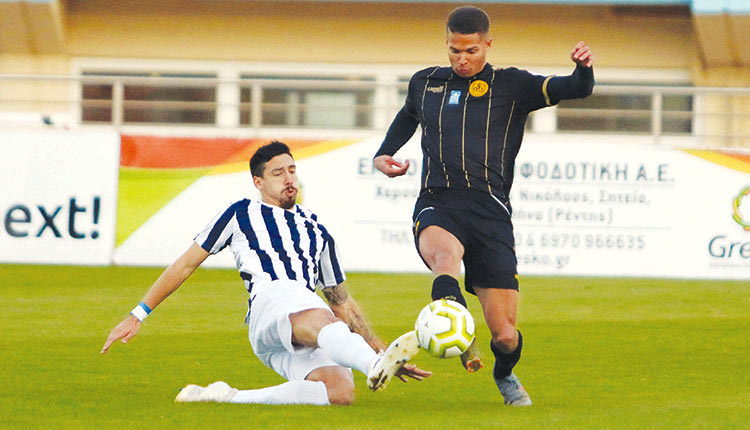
[[446, 287], [504, 363]]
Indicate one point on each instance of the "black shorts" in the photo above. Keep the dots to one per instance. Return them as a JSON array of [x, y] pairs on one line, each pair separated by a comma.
[[482, 225]]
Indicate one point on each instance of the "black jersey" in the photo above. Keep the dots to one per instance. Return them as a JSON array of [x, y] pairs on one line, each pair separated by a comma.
[[472, 127]]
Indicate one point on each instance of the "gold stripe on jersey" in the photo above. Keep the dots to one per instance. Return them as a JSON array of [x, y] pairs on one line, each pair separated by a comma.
[[463, 142], [424, 92], [544, 90], [440, 132], [487, 138], [505, 139]]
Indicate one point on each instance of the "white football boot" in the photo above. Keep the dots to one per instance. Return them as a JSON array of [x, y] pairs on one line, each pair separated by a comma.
[[217, 392], [387, 363]]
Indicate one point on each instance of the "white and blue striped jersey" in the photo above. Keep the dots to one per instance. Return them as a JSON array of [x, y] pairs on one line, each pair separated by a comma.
[[270, 243]]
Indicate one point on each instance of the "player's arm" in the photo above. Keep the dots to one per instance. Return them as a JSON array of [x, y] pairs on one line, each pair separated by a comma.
[[169, 281], [401, 130], [580, 83], [345, 307]]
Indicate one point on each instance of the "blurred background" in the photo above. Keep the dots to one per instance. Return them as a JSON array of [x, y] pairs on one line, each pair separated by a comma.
[[246, 68], [182, 91]]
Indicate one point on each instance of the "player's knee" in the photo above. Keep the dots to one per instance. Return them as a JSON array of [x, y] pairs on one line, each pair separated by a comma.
[[506, 338], [339, 383], [323, 316], [341, 393]]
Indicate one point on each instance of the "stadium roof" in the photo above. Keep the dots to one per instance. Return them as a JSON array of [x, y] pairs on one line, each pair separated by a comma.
[[722, 27]]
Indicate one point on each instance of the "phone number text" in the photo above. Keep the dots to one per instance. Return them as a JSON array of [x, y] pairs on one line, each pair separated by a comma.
[[576, 241]]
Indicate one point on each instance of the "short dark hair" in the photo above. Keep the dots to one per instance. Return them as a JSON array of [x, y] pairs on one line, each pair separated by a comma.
[[468, 20], [264, 154]]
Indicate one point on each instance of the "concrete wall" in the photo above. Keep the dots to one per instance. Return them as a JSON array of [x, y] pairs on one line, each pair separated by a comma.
[[373, 32]]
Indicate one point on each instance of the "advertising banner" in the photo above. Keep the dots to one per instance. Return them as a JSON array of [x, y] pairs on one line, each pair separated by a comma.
[[583, 205], [634, 210], [59, 190]]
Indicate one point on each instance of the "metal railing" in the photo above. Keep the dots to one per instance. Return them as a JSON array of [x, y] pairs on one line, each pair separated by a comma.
[[707, 117]]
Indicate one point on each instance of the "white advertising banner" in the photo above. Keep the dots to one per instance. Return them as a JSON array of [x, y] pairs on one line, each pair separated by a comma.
[[59, 193], [583, 205], [611, 208], [633, 210]]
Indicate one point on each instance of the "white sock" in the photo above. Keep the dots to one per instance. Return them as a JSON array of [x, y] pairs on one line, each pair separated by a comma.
[[288, 393], [346, 348]]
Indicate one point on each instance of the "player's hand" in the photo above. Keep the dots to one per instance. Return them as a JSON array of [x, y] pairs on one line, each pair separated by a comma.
[[413, 372], [389, 166], [125, 331], [582, 55]]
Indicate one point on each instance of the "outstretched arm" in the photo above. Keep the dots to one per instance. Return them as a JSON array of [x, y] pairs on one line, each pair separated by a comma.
[[580, 83], [171, 279]]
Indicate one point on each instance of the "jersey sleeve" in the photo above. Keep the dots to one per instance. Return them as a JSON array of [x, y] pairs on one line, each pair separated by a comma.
[[331, 272], [578, 84], [217, 235], [542, 91]]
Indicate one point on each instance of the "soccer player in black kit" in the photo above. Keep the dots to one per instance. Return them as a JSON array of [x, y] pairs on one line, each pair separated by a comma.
[[472, 117]]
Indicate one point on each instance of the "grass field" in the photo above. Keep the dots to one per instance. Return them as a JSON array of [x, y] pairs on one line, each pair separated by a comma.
[[598, 353]]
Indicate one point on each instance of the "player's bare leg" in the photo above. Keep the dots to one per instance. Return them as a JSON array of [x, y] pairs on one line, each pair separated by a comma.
[[443, 253], [500, 309]]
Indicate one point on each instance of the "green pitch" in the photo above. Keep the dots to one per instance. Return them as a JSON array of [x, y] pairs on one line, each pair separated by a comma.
[[599, 353]]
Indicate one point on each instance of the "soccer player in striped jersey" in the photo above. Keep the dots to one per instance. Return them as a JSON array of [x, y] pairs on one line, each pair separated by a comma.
[[283, 254], [472, 117]]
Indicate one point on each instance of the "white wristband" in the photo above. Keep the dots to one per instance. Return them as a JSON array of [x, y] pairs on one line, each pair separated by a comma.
[[141, 311]]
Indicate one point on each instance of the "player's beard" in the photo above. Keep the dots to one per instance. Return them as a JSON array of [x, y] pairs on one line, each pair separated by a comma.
[[288, 197]]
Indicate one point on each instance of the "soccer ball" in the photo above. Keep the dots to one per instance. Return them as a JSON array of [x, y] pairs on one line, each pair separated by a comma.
[[444, 328]]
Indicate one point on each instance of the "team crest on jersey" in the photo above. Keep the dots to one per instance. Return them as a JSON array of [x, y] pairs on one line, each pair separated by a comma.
[[478, 88], [455, 97]]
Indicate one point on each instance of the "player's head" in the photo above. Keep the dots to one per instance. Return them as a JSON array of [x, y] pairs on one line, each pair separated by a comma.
[[468, 20], [264, 154], [467, 38], [275, 174]]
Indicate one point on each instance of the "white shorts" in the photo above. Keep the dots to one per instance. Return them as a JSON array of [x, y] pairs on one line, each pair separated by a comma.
[[270, 331]]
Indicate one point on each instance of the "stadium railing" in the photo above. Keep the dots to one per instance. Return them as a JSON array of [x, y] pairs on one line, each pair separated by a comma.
[[703, 117]]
